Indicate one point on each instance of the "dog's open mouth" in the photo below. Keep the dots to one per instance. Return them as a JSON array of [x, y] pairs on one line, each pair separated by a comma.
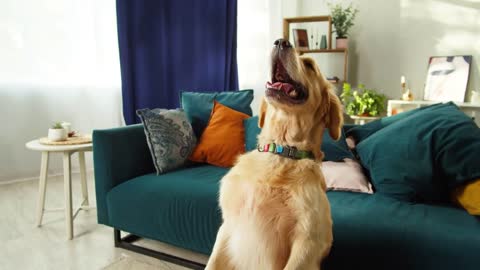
[[283, 88]]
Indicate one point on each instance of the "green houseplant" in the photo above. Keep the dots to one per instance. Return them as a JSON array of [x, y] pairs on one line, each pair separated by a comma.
[[342, 20], [362, 102]]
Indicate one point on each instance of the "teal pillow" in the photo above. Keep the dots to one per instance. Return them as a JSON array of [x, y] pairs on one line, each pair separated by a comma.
[[198, 106], [333, 150], [360, 133], [423, 157], [251, 132], [170, 137]]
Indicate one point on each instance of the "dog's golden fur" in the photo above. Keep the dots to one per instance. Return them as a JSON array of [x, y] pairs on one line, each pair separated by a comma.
[[275, 210]]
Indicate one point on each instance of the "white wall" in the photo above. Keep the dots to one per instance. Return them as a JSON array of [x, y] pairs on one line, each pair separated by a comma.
[[26, 114], [392, 38], [59, 59], [59, 62], [259, 25]]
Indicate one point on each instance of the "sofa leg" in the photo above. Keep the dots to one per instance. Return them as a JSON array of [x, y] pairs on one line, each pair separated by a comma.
[[116, 237], [127, 241]]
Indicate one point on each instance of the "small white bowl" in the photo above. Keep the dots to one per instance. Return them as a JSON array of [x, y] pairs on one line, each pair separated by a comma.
[[57, 134]]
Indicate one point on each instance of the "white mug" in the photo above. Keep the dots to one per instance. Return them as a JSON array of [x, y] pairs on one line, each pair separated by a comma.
[[67, 126]]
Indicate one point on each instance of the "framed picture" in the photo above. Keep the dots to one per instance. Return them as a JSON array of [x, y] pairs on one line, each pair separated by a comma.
[[447, 78], [300, 38]]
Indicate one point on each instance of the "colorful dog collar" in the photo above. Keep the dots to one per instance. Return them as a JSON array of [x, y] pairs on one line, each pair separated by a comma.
[[285, 151]]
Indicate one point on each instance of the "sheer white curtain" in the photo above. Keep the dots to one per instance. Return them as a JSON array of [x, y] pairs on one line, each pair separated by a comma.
[[259, 25], [58, 62], [59, 43]]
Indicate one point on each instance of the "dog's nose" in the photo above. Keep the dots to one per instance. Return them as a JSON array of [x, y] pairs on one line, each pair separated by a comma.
[[282, 43]]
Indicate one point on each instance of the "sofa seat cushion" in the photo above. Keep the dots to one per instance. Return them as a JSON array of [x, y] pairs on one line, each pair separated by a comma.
[[379, 232], [178, 207]]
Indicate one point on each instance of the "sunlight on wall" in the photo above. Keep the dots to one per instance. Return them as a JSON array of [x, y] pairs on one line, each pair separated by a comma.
[[259, 24], [58, 62], [451, 27], [58, 43], [252, 42], [462, 22]]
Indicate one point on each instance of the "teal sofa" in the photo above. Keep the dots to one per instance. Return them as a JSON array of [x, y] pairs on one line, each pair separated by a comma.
[[180, 208]]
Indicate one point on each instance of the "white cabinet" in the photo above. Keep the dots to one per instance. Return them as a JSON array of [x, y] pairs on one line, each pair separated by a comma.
[[398, 106]]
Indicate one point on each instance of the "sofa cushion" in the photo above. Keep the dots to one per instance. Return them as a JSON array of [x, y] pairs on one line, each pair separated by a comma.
[[335, 150], [423, 157], [198, 106], [178, 207], [251, 132], [170, 137], [378, 232], [346, 175], [223, 140]]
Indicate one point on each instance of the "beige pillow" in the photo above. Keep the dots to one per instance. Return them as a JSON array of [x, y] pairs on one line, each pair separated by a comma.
[[345, 176]]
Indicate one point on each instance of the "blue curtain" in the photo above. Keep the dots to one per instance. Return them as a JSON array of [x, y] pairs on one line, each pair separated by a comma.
[[167, 46]]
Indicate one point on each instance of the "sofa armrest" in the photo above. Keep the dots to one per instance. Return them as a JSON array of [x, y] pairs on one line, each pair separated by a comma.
[[119, 154]]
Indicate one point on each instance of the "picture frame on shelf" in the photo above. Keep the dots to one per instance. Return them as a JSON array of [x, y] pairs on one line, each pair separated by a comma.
[[447, 78], [300, 38]]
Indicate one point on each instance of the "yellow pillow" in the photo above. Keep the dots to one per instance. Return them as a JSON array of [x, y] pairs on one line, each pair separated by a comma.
[[223, 139], [468, 196]]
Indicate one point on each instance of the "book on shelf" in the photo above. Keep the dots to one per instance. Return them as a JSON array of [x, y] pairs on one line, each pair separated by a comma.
[[333, 79]]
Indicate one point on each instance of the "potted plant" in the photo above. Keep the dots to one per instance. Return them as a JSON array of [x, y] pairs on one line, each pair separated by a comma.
[[57, 132], [362, 102], [342, 20]]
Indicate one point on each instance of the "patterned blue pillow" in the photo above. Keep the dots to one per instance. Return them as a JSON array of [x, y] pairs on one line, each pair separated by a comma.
[[169, 136]]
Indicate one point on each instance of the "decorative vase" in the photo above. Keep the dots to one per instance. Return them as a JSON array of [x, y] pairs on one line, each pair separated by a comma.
[[57, 134], [323, 43], [407, 96], [342, 43]]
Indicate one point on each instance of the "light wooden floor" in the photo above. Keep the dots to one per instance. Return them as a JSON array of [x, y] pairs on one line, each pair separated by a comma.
[[24, 246]]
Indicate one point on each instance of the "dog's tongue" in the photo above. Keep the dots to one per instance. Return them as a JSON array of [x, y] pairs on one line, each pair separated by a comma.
[[279, 86]]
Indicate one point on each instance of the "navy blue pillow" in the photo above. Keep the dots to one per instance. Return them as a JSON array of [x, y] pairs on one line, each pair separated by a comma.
[[333, 150]]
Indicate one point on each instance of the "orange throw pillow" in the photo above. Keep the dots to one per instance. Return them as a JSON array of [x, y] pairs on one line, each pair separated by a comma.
[[468, 196], [223, 139]]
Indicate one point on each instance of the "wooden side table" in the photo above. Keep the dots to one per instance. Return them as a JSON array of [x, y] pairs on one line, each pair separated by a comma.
[[67, 151]]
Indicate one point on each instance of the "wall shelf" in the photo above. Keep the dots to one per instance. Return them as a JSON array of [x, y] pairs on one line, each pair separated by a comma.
[[323, 51], [328, 19]]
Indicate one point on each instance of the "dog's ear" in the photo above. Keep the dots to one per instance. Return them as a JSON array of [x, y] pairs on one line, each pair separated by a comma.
[[261, 114], [334, 117]]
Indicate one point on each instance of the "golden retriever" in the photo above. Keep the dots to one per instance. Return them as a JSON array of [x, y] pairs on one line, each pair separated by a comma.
[[276, 214]]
